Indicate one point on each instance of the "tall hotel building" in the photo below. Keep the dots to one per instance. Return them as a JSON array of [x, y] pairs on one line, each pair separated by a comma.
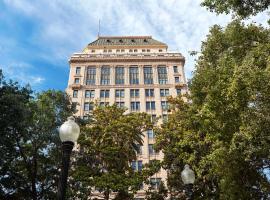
[[136, 72]]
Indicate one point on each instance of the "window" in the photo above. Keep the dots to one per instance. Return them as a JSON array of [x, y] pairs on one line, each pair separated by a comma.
[[78, 70], [177, 79], [75, 93], [85, 117], [155, 183], [153, 118], [160, 50], [105, 50], [77, 81], [175, 69], [148, 50], [137, 165], [139, 149], [134, 93], [119, 75], [88, 106], [122, 50], [91, 76], [162, 75], [104, 93], [135, 106], [93, 51], [135, 50], [89, 94], [105, 75], [149, 92], [130, 50], [143, 50], [151, 149], [150, 105], [178, 91], [133, 75], [120, 93], [103, 104], [120, 104], [150, 134], [165, 118], [164, 105], [148, 75], [164, 92], [109, 50]]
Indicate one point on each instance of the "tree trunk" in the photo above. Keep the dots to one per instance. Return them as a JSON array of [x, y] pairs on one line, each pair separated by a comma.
[[106, 195]]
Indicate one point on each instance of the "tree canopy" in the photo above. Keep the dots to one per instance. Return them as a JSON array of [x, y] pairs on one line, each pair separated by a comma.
[[108, 144], [241, 8], [223, 129], [29, 145]]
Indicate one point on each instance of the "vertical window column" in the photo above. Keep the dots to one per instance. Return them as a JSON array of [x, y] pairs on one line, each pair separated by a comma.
[[91, 76], [133, 75], [105, 75]]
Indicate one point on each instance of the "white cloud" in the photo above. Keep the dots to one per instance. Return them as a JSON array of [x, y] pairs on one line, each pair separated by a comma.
[[68, 26], [21, 72]]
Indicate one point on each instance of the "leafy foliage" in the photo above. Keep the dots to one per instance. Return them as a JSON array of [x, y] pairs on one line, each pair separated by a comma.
[[29, 141], [108, 144], [223, 130], [242, 8]]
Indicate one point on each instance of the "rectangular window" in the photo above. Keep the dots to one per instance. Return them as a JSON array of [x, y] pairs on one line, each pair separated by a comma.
[[120, 93], [119, 75], [164, 92], [162, 75], [177, 79], [150, 134], [165, 118], [155, 183], [151, 149], [150, 105], [91, 76], [153, 118], [75, 93], [149, 92], [134, 93], [135, 106], [137, 165], [89, 94], [104, 93], [120, 104], [78, 70], [148, 75], [134, 75], [164, 105], [103, 104], [175, 69], [88, 106], [105, 75], [178, 91], [77, 81]]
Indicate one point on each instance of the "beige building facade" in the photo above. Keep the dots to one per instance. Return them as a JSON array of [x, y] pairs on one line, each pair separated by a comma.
[[135, 72]]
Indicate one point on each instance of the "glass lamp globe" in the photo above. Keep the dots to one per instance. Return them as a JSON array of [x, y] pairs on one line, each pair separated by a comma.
[[188, 175], [69, 131]]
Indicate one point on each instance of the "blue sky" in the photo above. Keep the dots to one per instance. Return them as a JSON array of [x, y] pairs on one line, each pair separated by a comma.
[[38, 37]]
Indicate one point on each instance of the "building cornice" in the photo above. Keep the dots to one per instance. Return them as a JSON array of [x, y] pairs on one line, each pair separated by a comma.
[[86, 58]]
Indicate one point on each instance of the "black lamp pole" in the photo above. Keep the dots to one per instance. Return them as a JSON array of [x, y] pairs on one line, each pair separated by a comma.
[[66, 152], [189, 191]]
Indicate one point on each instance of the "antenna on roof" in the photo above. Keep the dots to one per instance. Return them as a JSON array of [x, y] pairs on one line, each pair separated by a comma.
[[98, 27]]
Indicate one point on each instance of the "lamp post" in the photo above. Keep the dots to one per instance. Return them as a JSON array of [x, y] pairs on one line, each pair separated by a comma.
[[69, 133], [188, 177]]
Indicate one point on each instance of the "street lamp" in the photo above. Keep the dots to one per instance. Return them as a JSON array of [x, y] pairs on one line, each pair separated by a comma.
[[188, 177], [69, 133]]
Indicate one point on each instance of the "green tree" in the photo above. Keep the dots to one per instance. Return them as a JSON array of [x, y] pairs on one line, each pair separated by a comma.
[[241, 8], [108, 144], [29, 141], [160, 194], [222, 131]]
